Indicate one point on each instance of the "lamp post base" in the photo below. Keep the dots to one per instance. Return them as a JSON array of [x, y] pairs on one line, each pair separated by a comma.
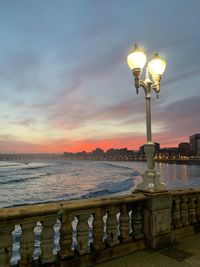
[[151, 179], [151, 182]]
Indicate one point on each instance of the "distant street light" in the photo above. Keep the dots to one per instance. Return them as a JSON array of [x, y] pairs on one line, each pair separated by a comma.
[[156, 66]]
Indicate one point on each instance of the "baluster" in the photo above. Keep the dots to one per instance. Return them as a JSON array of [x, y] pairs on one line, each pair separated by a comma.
[[27, 244], [176, 215], [184, 211], [82, 234], [125, 225], [66, 237], [191, 210], [47, 240], [5, 244], [137, 221], [112, 227], [98, 227], [198, 208]]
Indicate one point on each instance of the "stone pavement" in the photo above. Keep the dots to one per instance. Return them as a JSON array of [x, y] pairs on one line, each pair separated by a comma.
[[188, 246]]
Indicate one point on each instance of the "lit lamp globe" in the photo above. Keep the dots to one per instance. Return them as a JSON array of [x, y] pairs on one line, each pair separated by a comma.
[[156, 66], [136, 59]]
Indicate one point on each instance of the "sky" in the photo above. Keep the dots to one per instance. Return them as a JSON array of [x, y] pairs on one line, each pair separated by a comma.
[[65, 84]]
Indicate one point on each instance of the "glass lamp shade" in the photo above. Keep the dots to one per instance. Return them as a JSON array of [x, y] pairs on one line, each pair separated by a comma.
[[156, 65], [136, 59]]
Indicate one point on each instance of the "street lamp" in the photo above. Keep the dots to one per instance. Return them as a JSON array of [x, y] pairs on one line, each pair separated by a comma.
[[156, 66]]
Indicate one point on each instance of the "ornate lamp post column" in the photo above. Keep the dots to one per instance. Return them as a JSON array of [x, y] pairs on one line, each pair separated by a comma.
[[156, 66]]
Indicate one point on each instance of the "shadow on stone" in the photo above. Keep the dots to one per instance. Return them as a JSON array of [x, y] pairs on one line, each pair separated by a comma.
[[176, 254]]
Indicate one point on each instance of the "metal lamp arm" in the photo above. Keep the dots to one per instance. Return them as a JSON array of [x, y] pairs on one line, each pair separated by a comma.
[[156, 88], [145, 85]]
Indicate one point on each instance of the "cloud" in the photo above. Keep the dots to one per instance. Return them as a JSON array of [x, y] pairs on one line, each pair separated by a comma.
[[58, 146], [181, 116], [29, 123], [72, 79], [184, 75], [7, 137], [74, 110], [177, 120], [20, 68]]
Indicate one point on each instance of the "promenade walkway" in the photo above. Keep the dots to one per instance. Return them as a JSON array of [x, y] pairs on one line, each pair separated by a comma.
[[185, 253]]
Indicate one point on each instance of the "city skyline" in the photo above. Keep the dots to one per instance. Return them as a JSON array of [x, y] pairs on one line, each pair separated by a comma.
[[65, 83], [193, 142]]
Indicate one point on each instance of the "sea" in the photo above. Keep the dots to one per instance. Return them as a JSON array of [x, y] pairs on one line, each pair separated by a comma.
[[23, 183]]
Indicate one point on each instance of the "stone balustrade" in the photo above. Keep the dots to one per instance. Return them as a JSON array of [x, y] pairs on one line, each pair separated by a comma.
[[86, 232], [84, 227], [185, 210]]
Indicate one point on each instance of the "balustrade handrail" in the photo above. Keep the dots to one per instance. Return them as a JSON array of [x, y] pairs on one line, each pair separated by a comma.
[[184, 191], [27, 211]]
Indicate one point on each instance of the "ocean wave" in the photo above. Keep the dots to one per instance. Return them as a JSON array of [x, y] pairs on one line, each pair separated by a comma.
[[99, 193], [21, 180], [104, 189], [108, 188], [65, 162], [16, 181], [134, 173], [9, 165], [36, 167], [108, 164], [13, 174]]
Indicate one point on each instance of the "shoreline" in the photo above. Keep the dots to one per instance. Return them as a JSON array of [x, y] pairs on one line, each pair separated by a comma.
[[179, 162], [168, 161]]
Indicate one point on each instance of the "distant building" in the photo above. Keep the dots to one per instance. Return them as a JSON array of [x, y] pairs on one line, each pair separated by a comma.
[[141, 152], [97, 152], [193, 143], [168, 153], [111, 152], [157, 147], [184, 148], [198, 147]]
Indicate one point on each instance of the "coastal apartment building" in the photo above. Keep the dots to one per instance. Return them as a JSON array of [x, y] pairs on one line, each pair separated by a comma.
[[195, 143], [184, 147], [198, 147]]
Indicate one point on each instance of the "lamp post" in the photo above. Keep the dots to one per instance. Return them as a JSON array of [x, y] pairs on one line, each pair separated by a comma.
[[156, 66]]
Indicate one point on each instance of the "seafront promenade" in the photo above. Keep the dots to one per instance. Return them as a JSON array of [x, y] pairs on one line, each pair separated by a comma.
[[95, 231], [184, 253]]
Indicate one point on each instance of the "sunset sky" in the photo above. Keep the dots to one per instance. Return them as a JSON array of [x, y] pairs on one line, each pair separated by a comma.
[[65, 84]]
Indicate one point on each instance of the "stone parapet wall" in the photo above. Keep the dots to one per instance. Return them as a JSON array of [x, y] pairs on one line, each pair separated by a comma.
[[86, 229], [91, 231]]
